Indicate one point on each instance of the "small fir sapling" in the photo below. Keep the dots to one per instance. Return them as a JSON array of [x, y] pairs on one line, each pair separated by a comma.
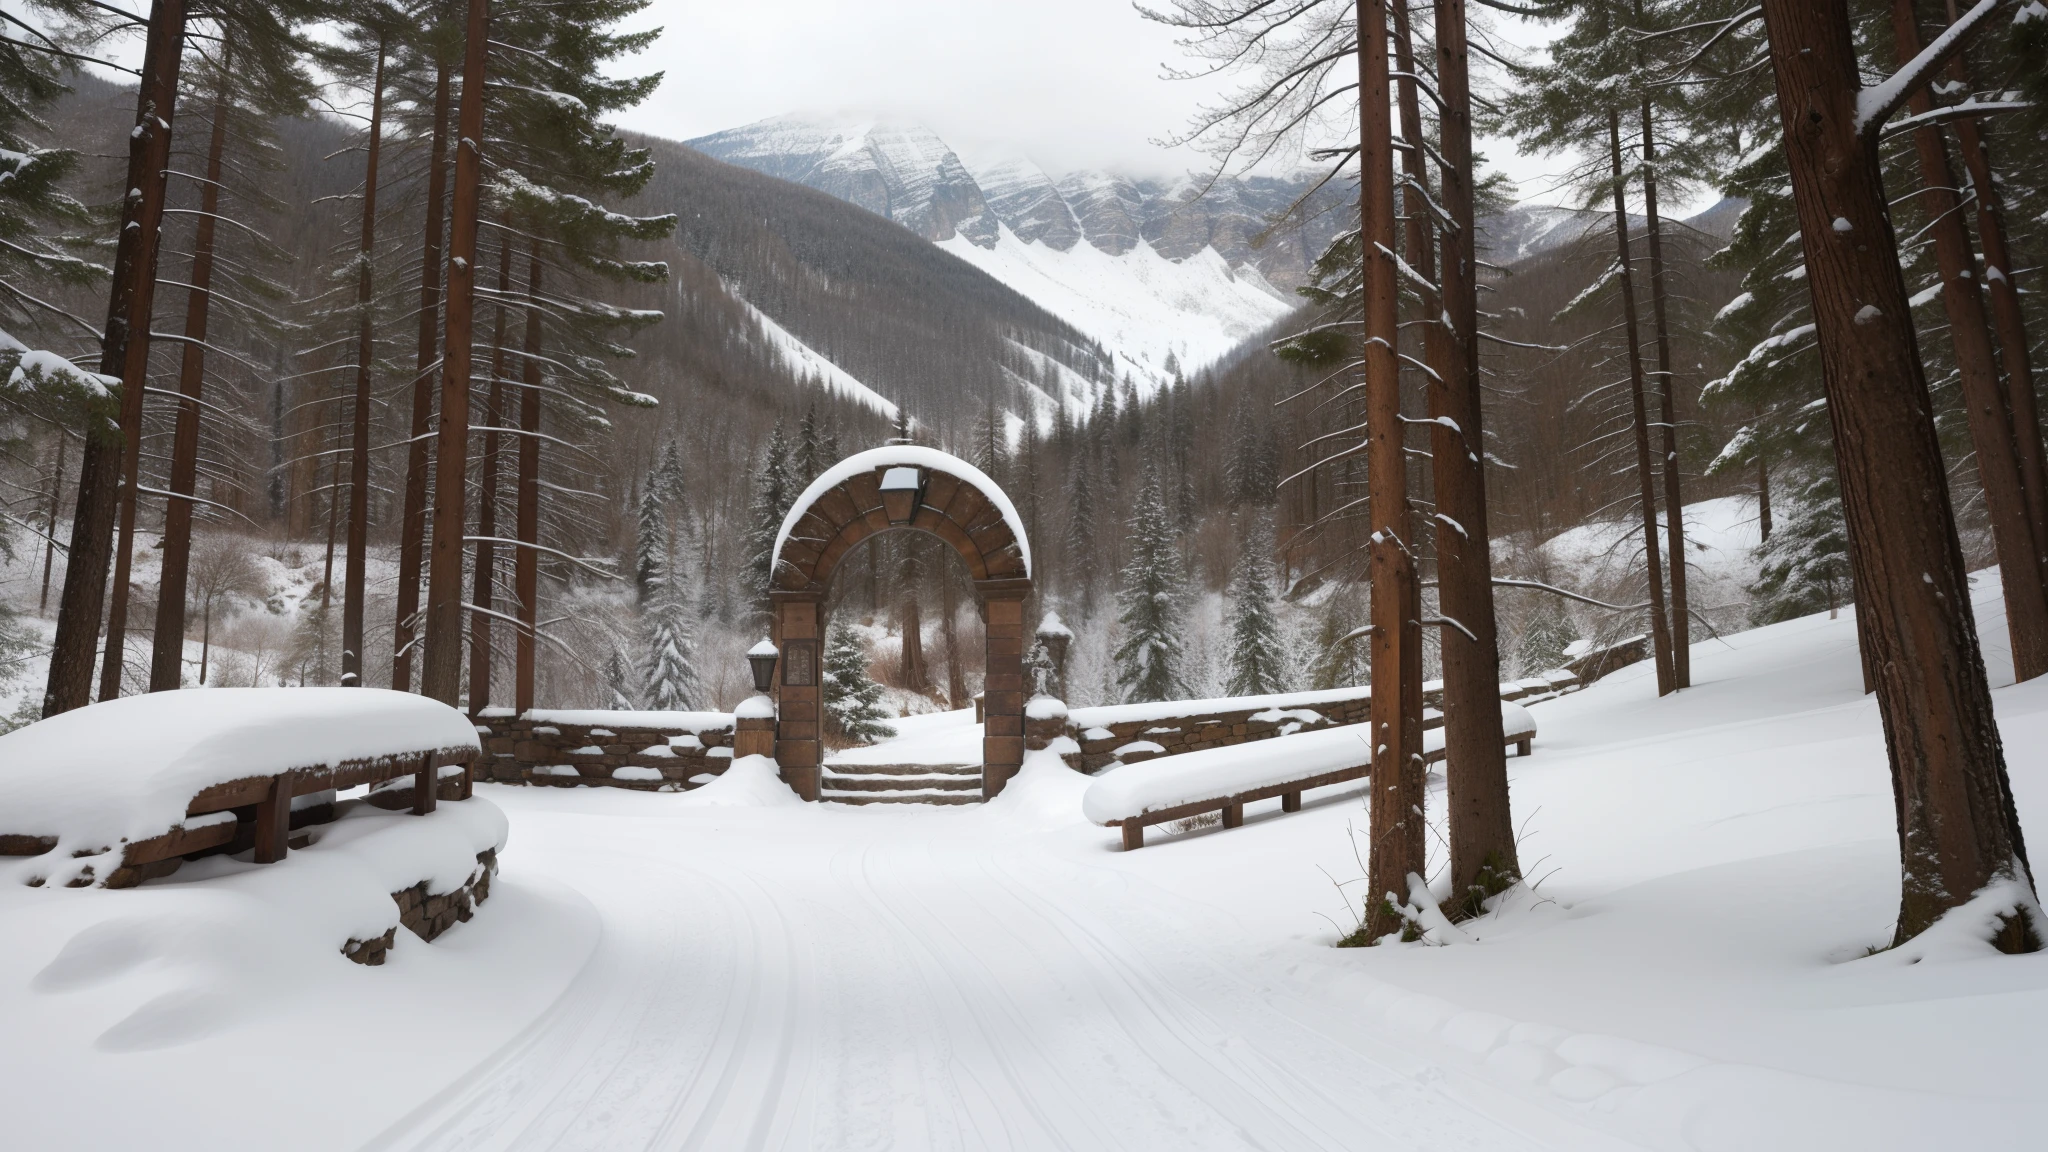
[[618, 684], [853, 701], [1258, 651]]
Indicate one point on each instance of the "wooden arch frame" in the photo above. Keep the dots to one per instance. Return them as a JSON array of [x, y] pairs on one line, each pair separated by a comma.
[[924, 490]]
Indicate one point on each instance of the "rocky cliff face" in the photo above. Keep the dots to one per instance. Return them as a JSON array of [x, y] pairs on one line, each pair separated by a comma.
[[905, 172]]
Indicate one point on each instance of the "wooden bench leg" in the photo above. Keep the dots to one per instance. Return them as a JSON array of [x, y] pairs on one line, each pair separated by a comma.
[[424, 787], [1522, 747], [274, 821], [1290, 801], [468, 780], [1134, 835], [1233, 815]]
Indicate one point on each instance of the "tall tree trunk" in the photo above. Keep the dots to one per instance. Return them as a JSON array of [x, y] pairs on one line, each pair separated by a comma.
[[359, 440], [50, 524], [1667, 404], [167, 649], [1958, 832], [1483, 858], [1763, 501], [129, 305], [205, 638], [2006, 314], [526, 562], [442, 675], [956, 676], [484, 570], [1646, 485], [413, 526], [1397, 828], [1991, 428], [333, 525]]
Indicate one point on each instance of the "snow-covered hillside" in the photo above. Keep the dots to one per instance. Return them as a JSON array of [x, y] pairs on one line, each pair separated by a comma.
[[1141, 305], [1141, 266]]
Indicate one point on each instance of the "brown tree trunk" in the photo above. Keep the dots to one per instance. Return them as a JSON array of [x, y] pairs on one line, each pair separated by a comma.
[[129, 306], [442, 676], [2006, 315], [167, 649], [1991, 428], [526, 562], [412, 531], [1763, 501], [484, 569], [1667, 404], [956, 676], [359, 435], [1660, 626], [912, 669], [1956, 825], [1483, 859], [50, 524], [205, 638], [1397, 831], [333, 525]]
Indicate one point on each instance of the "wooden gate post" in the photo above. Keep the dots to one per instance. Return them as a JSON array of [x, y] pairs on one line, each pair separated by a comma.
[[799, 633], [1002, 740]]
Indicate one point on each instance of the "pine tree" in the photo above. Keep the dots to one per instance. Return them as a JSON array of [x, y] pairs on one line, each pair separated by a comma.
[[1258, 652], [1150, 602], [669, 671], [853, 701], [1804, 567], [810, 450], [1339, 655], [650, 549], [619, 689], [774, 491], [666, 481], [1544, 641]]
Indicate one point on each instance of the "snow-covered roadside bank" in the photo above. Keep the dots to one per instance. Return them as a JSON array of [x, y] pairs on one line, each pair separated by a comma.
[[196, 1013]]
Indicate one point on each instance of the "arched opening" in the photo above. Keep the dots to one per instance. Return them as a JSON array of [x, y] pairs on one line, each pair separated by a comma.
[[883, 489]]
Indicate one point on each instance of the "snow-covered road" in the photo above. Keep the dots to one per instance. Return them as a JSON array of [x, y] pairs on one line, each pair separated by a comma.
[[914, 979], [1694, 970]]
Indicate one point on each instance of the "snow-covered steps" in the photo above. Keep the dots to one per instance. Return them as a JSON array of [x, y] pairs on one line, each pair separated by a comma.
[[902, 784]]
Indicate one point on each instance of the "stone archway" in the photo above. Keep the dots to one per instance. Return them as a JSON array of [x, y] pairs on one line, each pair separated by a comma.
[[922, 489]]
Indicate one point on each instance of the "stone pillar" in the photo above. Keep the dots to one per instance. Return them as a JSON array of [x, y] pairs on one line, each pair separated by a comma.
[[1055, 635], [800, 635], [1002, 742], [1045, 720], [753, 728]]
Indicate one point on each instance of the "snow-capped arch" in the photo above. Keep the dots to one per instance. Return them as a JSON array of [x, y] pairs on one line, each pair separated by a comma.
[[843, 506], [909, 487]]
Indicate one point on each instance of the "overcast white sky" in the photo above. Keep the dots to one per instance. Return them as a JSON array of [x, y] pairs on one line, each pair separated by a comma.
[[1069, 83]]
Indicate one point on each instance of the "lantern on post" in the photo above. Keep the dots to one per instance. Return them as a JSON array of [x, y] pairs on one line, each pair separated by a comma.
[[761, 659], [754, 720], [902, 492]]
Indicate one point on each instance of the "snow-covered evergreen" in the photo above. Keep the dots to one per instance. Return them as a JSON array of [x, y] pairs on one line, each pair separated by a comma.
[[650, 548], [853, 701], [668, 671], [1258, 649], [1151, 601]]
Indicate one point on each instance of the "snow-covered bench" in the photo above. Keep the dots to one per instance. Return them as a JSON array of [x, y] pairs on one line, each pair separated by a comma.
[[1226, 779], [141, 783]]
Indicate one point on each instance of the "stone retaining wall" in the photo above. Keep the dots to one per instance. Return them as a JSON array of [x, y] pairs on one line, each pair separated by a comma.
[[427, 916], [647, 751]]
